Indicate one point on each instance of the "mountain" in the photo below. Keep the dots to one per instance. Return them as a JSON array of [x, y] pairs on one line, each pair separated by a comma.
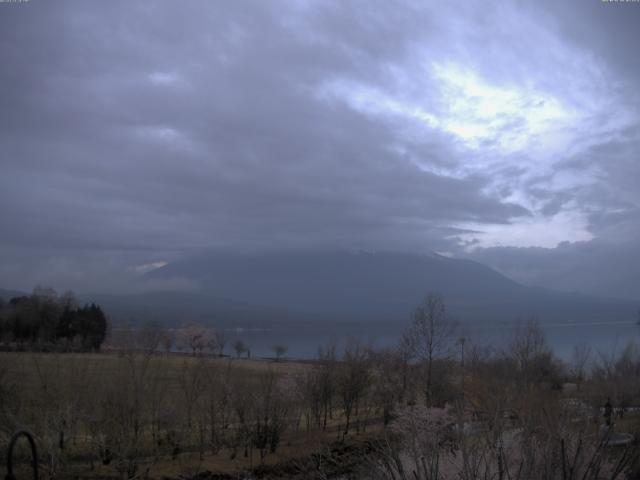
[[178, 308], [379, 287], [593, 267], [345, 289]]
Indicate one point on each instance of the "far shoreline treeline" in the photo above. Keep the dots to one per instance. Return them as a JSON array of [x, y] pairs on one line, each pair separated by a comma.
[[46, 321]]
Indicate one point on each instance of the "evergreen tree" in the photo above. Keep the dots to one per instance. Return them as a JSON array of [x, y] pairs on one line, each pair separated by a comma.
[[46, 318]]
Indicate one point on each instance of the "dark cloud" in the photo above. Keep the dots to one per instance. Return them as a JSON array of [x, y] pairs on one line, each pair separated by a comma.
[[138, 132]]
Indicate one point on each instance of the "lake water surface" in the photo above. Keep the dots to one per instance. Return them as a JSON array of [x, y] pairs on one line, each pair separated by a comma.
[[303, 341]]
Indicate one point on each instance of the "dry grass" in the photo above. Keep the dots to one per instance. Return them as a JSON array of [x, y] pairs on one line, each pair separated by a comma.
[[42, 388]]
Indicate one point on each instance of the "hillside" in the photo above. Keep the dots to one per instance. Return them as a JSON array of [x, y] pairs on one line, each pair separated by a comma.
[[345, 289], [382, 286]]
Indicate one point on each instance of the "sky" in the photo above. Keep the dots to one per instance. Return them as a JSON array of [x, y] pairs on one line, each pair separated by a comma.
[[136, 133]]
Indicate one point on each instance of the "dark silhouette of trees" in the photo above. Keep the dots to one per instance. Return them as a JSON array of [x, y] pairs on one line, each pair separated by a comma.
[[45, 320], [279, 351], [240, 348]]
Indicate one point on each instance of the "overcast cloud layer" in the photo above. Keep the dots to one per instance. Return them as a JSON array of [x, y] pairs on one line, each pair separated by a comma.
[[134, 133]]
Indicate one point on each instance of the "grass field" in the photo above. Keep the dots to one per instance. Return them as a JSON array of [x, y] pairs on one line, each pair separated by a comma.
[[156, 415]]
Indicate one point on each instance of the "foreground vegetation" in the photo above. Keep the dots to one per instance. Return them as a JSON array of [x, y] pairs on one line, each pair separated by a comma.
[[435, 407]]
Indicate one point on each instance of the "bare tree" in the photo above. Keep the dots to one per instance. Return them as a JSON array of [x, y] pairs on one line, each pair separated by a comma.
[[354, 378], [534, 360], [167, 341], [240, 348], [308, 387], [579, 359], [195, 337], [328, 380], [156, 401], [118, 418], [149, 337], [243, 403], [7, 387], [221, 342], [279, 350], [391, 378], [272, 400], [431, 336], [216, 403]]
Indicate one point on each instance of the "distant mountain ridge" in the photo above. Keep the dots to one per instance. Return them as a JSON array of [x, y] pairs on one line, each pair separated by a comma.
[[594, 267], [180, 308], [382, 287], [341, 288]]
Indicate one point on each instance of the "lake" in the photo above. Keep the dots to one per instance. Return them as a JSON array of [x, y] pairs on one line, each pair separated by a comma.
[[302, 341]]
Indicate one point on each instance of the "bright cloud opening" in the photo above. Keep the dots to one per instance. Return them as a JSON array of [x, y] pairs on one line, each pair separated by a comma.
[[538, 231], [147, 267], [164, 78], [505, 118], [508, 117]]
